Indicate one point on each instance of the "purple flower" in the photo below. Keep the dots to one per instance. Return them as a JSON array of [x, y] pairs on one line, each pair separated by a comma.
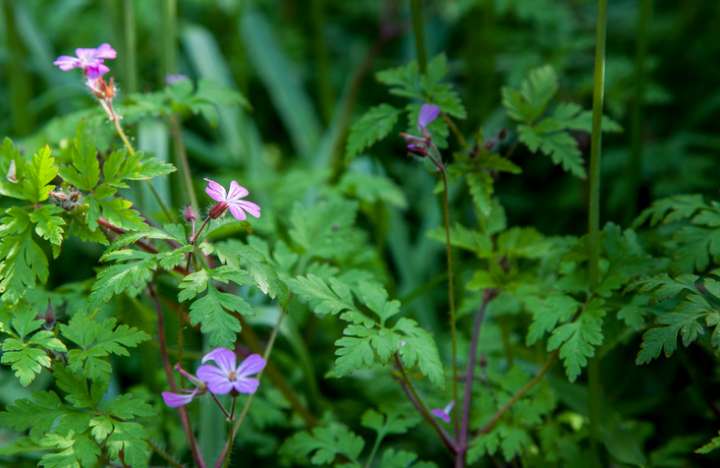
[[91, 61], [176, 400], [225, 376], [428, 114], [232, 199], [175, 78], [443, 413]]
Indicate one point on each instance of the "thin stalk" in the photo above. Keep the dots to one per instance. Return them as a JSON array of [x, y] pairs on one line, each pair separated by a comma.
[[373, 452], [19, 79], [490, 425], [193, 241], [419, 31], [163, 454], [322, 62], [470, 378], [594, 383], [168, 38], [636, 127], [184, 419], [220, 405], [451, 278], [181, 157], [224, 456], [130, 36], [417, 402]]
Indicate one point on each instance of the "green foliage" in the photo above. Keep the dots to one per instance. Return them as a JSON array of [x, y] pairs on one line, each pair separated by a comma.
[[373, 126], [213, 312], [323, 444], [549, 134]]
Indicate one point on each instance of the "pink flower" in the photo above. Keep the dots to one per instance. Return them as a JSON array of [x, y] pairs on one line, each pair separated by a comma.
[[443, 413], [232, 200], [176, 400], [225, 376], [91, 61], [428, 114]]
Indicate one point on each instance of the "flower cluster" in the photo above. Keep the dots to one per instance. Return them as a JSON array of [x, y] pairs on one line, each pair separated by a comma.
[[224, 377], [419, 145]]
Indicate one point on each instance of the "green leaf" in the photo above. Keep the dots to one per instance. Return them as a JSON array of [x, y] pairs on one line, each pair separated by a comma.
[[83, 170], [212, 312], [130, 275], [354, 350], [714, 444], [559, 145], [684, 321], [531, 100], [72, 451], [373, 126], [392, 458], [371, 188], [98, 339], [393, 420], [547, 312], [577, 340], [333, 297], [325, 229], [48, 223], [323, 444], [40, 172], [26, 361], [417, 348], [23, 263], [39, 413]]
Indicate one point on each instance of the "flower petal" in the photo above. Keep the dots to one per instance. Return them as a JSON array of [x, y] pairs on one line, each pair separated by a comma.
[[216, 380], [246, 385], [86, 55], [250, 366], [65, 62], [236, 191], [96, 71], [176, 400], [250, 207], [105, 51], [237, 211], [441, 414], [224, 358], [428, 114], [215, 191]]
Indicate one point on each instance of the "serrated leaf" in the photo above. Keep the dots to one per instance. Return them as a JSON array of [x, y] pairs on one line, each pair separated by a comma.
[[547, 312], [323, 444], [212, 312], [577, 340], [531, 100], [83, 168], [417, 349], [373, 126], [371, 188], [48, 223], [40, 172]]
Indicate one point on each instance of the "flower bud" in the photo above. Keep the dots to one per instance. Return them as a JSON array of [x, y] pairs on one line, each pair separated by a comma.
[[189, 214], [218, 210]]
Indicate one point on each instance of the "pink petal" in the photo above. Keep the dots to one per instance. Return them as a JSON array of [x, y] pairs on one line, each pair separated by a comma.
[[224, 358], [105, 51], [215, 191], [441, 414], [65, 62], [216, 380], [247, 385], [237, 191], [237, 211], [176, 400], [250, 366], [428, 114], [86, 55], [96, 71], [250, 207]]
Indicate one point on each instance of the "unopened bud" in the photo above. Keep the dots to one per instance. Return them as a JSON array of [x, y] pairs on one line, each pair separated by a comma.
[[189, 214], [218, 210]]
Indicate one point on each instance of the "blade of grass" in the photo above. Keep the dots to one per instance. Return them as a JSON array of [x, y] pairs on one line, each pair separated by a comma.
[[282, 79]]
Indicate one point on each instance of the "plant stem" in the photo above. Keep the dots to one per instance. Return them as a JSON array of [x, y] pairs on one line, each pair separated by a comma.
[[224, 456], [417, 402], [636, 125], [181, 156], [373, 452], [278, 380], [193, 241], [451, 282], [488, 296], [418, 29], [166, 456], [184, 420], [220, 405], [19, 80], [490, 425], [131, 77], [594, 241], [168, 38], [324, 88]]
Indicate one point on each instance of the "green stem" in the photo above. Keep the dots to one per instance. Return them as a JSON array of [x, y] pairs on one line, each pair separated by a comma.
[[19, 80], [168, 39], [131, 76], [182, 159], [374, 450], [594, 241], [324, 88], [418, 29], [224, 457], [636, 127]]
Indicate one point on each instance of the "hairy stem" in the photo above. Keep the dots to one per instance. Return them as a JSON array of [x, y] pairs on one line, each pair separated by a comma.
[[184, 419], [419, 31], [490, 425], [224, 456], [181, 156], [193, 242], [488, 296], [594, 241], [421, 408]]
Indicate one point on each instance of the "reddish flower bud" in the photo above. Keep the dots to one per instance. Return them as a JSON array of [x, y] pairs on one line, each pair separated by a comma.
[[189, 214], [218, 210]]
